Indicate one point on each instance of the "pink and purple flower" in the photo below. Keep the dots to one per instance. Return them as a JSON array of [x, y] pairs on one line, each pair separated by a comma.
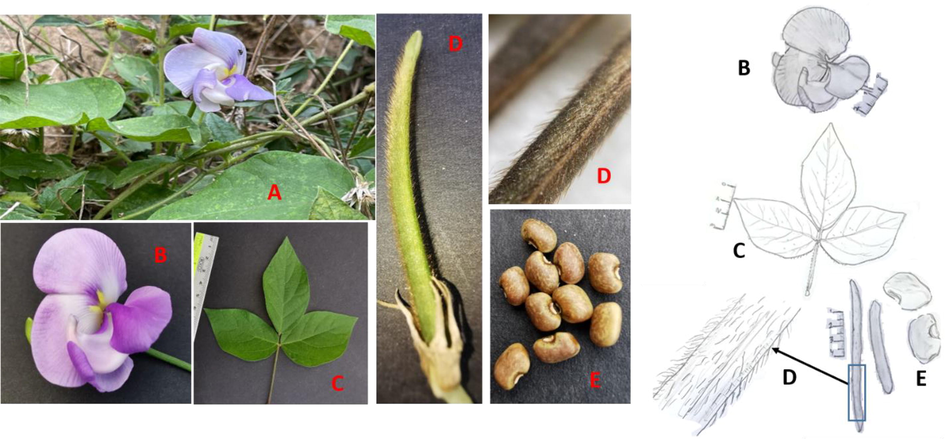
[[211, 69], [81, 334]]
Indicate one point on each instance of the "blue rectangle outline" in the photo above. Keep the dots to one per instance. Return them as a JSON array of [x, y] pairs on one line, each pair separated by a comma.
[[849, 376]]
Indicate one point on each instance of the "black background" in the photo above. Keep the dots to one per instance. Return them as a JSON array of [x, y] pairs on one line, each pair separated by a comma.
[[569, 381], [447, 141], [151, 380], [335, 257]]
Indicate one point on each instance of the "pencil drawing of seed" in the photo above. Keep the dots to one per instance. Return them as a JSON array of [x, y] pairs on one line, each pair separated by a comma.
[[511, 366], [908, 290], [570, 263], [556, 348], [604, 269], [514, 285], [606, 324], [925, 338], [541, 272], [543, 312], [539, 235], [574, 304]]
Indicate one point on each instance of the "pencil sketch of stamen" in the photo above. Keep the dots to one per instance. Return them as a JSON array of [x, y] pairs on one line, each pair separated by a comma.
[[810, 73], [718, 363], [849, 235]]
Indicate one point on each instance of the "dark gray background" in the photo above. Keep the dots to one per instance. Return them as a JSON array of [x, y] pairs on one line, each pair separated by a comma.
[[151, 380], [335, 257], [569, 381], [447, 140]]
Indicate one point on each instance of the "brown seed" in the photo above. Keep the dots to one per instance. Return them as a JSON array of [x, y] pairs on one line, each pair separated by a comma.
[[541, 272], [604, 269], [511, 366], [570, 263], [544, 314], [514, 285], [539, 235], [575, 306], [556, 348], [605, 324]]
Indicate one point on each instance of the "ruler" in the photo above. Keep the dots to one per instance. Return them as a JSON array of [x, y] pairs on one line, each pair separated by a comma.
[[205, 248], [724, 205]]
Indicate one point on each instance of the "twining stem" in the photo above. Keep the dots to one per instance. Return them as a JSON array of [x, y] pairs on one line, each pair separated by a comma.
[[75, 132], [400, 188], [108, 58], [324, 81], [169, 359], [810, 274], [275, 362], [166, 200]]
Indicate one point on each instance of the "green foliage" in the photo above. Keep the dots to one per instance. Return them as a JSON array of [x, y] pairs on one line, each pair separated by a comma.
[[242, 192], [74, 145], [308, 338], [66, 103], [12, 65], [359, 28]]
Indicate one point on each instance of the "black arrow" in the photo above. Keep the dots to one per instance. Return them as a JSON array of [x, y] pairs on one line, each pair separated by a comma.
[[779, 351]]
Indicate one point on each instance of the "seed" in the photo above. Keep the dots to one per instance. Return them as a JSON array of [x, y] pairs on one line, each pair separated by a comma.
[[514, 286], [605, 324], [556, 348], [604, 269], [541, 272], [511, 366], [539, 235], [574, 304], [570, 263], [545, 315]]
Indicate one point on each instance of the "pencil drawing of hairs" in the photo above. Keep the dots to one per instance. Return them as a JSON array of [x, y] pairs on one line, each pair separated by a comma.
[[717, 364]]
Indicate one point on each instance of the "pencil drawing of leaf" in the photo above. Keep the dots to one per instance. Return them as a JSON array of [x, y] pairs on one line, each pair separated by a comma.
[[309, 339], [862, 234], [777, 227], [828, 183], [848, 235]]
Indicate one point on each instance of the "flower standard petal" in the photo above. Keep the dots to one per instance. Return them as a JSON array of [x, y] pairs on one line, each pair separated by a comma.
[[239, 88], [224, 46], [139, 321], [103, 382], [53, 327], [184, 62], [80, 261]]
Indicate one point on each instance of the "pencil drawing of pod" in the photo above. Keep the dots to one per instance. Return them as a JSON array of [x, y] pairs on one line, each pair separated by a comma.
[[430, 314]]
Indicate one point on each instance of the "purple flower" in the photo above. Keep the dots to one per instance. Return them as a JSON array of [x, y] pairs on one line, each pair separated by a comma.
[[81, 334], [211, 68]]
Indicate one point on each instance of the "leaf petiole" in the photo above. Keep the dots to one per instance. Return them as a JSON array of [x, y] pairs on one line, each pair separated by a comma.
[[275, 362]]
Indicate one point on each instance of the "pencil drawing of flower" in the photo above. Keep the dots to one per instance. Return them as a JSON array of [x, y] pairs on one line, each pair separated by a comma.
[[211, 69], [80, 333]]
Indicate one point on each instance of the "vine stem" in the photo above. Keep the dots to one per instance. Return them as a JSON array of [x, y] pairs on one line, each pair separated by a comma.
[[275, 362], [169, 359], [326, 80], [108, 58], [810, 274]]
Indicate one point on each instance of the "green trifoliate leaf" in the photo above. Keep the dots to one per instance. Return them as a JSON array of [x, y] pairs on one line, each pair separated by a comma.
[[285, 284], [242, 334], [168, 128], [318, 338]]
